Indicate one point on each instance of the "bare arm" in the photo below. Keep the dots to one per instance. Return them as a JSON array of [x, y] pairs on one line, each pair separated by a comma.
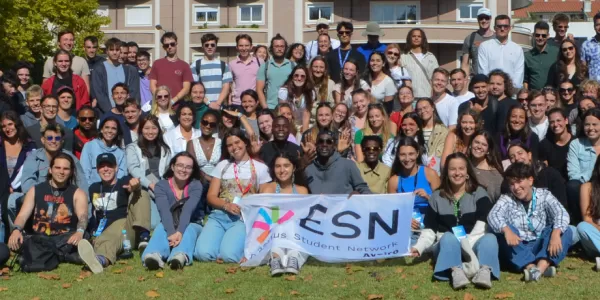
[[153, 84], [337, 97], [359, 154], [260, 89], [184, 91], [224, 93], [465, 64], [393, 184], [81, 209]]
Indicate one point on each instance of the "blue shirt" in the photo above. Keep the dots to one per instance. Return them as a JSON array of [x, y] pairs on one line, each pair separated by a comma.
[[413, 183], [70, 123], [581, 159], [367, 50], [114, 75], [590, 54]]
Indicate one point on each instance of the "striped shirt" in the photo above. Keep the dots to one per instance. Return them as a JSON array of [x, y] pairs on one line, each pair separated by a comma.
[[530, 222], [212, 77]]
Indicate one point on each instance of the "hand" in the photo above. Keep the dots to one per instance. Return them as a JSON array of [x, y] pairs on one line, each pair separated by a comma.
[[174, 239], [309, 148], [94, 103], [422, 193], [214, 105], [476, 107], [233, 209], [231, 112], [511, 238], [414, 252], [415, 225], [555, 246], [353, 193], [10, 189], [570, 36], [344, 141], [134, 185], [75, 238], [244, 259], [16, 240], [151, 186]]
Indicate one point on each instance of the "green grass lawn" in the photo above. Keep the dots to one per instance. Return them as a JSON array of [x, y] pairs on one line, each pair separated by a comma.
[[392, 279]]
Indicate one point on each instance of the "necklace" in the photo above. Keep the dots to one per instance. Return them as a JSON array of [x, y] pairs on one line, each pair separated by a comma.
[[56, 193]]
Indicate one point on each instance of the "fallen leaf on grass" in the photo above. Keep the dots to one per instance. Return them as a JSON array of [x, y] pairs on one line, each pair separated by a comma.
[[5, 277], [307, 278], [573, 277], [49, 276], [468, 296], [414, 287], [294, 293], [510, 278], [117, 271], [219, 261], [152, 294], [5, 270], [244, 269], [141, 278], [159, 275], [229, 291], [504, 295], [435, 297], [128, 268], [35, 298], [351, 269], [219, 280], [290, 278], [375, 297], [3, 289], [123, 262], [399, 270], [66, 285], [363, 292], [403, 276], [379, 278], [231, 270], [84, 274]]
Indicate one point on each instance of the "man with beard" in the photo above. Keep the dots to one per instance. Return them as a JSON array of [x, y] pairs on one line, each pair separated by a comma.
[[375, 173], [273, 73], [473, 40], [132, 51], [280, 143], [110, 72], [330, 173], [501, 87], [86, 130], [539, 60], [120, 93], [49, 110]]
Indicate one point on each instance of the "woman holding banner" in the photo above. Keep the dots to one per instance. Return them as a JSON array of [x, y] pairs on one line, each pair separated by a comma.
[[236, 176], [289, 179]]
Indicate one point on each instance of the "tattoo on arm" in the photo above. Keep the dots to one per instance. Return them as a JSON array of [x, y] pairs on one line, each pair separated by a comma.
[[82, 222]]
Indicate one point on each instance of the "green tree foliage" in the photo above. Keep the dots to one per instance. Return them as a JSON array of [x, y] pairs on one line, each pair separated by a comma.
[[29, 27]]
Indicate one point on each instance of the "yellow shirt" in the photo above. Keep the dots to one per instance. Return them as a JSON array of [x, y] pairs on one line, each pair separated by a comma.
[[377, 179]]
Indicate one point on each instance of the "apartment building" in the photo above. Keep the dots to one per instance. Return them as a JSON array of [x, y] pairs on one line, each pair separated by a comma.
[[446, 22]]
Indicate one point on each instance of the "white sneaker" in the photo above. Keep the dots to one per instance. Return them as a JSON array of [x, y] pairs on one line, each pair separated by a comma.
[[153, 261], [597, 264], [88, 255]]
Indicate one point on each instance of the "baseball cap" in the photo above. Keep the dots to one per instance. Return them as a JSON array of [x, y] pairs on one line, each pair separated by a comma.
[[323, 21], [484, 11], [106, 158]]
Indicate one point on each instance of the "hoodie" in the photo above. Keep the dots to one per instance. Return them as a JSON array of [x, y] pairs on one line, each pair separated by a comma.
[[337, 176], [29, 119], [93, 149], [35, 170]]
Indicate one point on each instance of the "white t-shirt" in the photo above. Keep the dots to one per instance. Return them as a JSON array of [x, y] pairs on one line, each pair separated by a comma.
[[165, 122], [464, 98], [347, 95], [385, 88], [540, 129], [244, 171], [447, 109], [399, 74]]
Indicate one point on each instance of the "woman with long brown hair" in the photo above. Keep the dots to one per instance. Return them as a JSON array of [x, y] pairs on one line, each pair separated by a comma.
[[569, 65], [298, 90], [459, 139]]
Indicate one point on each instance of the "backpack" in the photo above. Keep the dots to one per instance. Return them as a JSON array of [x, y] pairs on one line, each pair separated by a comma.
[[38, 254], [198, 65]]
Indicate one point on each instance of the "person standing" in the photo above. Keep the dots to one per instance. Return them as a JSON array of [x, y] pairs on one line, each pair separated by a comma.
[[560, 24], [591, 49], [445, 104], [502, 53], [90, 47], [474, 40], [458, 81], [273, 73], [244, 68], [132, 51], [336, 59], [171, 71], [213, 72], [539, 60], [419, 62], [373, 33], [483, 103], [144, 69], [79, 65], [312, 47]]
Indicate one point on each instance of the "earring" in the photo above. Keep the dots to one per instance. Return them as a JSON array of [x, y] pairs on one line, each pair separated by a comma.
[[467, 177]]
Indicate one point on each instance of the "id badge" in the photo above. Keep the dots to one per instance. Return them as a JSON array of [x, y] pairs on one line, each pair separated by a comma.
[[419, 217], [459, 232], [237, 200], [101, 227]]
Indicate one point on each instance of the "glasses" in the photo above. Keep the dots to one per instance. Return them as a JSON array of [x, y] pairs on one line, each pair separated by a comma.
[[569, 90], [88, 119], [536, 105], [365, 149], [325, 142], [503, 26], [301, 76], [542, 35], [378, 104], [345, 32], [53, 138], [162, 96], [210, 45], [393, 53], [571, 48], [479, 18], [319, 27], [208, 124], [182, 167], [50, 107], [171, 44]]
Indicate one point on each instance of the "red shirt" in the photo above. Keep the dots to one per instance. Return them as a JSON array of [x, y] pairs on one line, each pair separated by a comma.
[[172, 74], [80, 141], [396, 117]]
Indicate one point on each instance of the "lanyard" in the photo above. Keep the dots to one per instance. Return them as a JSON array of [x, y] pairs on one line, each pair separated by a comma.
[[278, 189], [237, 179], [530, 213], [342, 62], [105, 208], [456, 204], [416, 182], [184, 193]]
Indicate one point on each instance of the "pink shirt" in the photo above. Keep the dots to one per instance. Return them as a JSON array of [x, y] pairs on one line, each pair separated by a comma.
[[171, 74], [244, 76]]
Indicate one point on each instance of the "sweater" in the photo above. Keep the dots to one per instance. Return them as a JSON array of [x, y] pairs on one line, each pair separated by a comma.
[[190, 212], [93, 149], [473, 207], [82, 97], [137, 163], [99, 86], [337, 176]]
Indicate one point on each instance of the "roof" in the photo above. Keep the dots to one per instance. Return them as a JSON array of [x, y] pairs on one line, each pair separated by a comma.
[[555, 6]]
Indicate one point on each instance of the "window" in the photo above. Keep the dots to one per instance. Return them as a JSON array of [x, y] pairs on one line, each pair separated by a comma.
[[205, 14], [250, 14], [395, 12], [103, 12], [315, 11], [138, 15], [467, 11]]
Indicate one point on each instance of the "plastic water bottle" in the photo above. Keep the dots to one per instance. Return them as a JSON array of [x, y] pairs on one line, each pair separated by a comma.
[[126, 246]]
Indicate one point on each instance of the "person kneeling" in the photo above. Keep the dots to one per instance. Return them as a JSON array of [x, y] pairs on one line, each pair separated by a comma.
[[457, 213], [532, 226], [60, 217], [119, 205]]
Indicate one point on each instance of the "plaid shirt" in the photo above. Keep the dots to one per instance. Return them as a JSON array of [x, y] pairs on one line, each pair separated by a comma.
[[547, 212]]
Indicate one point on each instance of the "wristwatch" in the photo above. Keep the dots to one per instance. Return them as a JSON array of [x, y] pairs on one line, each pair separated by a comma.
[[17, 227]]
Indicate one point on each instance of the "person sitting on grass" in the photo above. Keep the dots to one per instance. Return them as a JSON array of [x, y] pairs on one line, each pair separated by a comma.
[[460, 204], [531, 225], [289, 179], [118, 205], [375, 173], [59, 217], [589, 228], [179, 201]]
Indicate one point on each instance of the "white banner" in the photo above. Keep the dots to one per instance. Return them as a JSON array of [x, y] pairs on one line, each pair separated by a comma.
[[331, 227]]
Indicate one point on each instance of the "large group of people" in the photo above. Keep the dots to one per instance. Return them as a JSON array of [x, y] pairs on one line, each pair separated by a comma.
[[500, 154]]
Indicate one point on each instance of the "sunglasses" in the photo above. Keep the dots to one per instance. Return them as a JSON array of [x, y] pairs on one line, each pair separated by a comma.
[[502, 26], [542, 35], [569, 90], [162, 96], [479, 18], [345, 32], [394, 53], [209, 124], [53, 138], [325, 141], [210, 45], [171, 44], [365, 149], [522, 99], [319, 27], [302, 76], [571, 48], [89, 119]]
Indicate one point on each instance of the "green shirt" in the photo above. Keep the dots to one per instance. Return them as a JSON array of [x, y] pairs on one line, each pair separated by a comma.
[[537, 66], [377, 179], [274, 77]]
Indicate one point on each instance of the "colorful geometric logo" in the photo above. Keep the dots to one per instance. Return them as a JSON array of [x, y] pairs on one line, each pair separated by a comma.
[[270, 220]]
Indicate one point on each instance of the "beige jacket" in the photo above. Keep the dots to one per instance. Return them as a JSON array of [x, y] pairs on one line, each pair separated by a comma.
[[435, 145]]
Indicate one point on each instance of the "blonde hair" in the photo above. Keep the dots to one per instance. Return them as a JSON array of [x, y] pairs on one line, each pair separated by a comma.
[[385, 127], [154, 109], [394, 46], [590, 84], [34, 90]]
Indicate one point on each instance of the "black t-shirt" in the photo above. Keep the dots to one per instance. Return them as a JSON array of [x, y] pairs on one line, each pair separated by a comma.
[[110, 198], [269, 150], [333, 61], [54, 211], [555, 155]]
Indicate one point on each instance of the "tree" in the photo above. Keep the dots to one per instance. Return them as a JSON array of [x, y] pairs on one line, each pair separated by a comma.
[[30, 26]]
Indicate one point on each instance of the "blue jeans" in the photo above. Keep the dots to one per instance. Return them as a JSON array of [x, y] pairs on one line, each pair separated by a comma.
[[224, 237], [590, 238], [526, 253], [154, 215], [448, 255], [159, 243]]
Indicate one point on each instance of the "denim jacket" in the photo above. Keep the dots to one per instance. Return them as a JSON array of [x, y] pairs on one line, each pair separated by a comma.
[[581, 159]]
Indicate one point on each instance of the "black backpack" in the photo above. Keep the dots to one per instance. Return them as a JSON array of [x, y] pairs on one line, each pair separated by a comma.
[[39, 254], [198, 66]]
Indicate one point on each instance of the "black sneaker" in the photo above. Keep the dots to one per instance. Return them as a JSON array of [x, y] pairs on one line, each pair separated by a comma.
[[143, 243]]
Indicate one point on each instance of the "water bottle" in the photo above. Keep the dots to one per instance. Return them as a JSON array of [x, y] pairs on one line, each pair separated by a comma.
[[126, 246]]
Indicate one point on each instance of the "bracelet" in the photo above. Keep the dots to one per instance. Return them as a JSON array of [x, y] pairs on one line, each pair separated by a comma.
[[80, 230], [17, 227], [224, 207]]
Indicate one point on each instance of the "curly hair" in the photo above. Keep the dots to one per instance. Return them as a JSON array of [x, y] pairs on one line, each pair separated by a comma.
[[508, 83]]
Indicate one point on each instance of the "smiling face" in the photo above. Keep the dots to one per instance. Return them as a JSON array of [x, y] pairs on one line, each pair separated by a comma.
[[541, 37], [561, 29], [33, 101], [281, 130], [249, 104], [325, 145], [521, 188], [236, 148], [518, 154], [198, 93], [208, 124], [479, 147], [457, 171], [132, 114], [63, 63], [440, 81], [143, 63], [107, 171], [496, 86], [339, 114], [65, 101], [286, 112], [372, 150], [49, 108], [568, 50], [324, 116], [186, 117], [162, 99], [409, 127], [375, 118], [480, 90], [484, 21], [376, 62], [349, 71], [24, 75], [467, 125], [66, 42], [109, 131], [558, 123], [265, 124], [392, 55], [283, 169], [407, 156], [299, 78], [585, 105], [458, 82], [566, 92], [119, 95], [244, 47], [537, 107], [424, 110], [150, 131], [132, 54], [52, 141], [360, 103], [61, 170], [87, 119], [9, 128], [518, 119], [298, 53], [124, 57], [324, 43], [261, 53], [591, 127], [183, 168], [318, 68]]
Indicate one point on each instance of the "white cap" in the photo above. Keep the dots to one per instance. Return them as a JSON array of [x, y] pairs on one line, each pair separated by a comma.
[[484, 11], [323, 21]]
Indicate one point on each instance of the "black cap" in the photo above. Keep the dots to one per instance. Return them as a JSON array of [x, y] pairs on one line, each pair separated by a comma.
[[106, 158]]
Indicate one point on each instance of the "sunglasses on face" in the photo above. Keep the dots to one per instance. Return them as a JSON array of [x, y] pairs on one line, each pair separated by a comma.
[[302, 76], [319, 27], [565, 49], [522, 99], [167, 45], [53, 138], [542, 35], [568, 90], [325, 142], [479, 18], [344, 32], [208, 124], [365, 149], [562, 27], [210, 45], [162, 97], [88, 119], [394, 53], [502, 26]]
